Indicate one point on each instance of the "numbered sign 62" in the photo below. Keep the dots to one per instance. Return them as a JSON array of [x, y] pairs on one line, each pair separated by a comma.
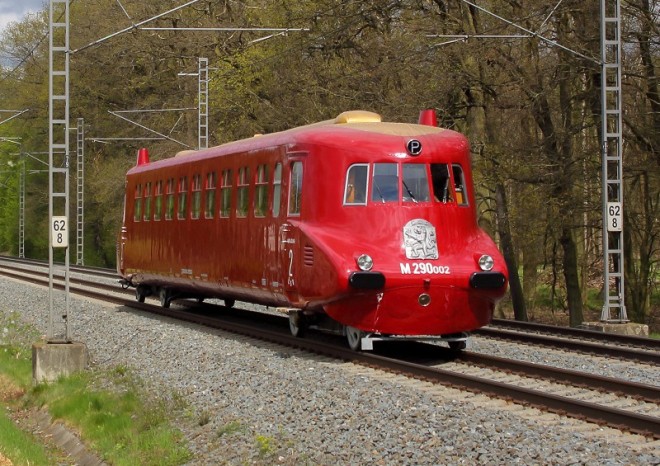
[[59, 232], [614, 216]]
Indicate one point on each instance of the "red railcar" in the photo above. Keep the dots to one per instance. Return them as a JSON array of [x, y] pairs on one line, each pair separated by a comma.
[[362, 225]]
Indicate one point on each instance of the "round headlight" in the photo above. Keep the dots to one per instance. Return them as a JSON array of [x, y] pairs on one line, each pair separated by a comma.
[[486, 262], [365, 262]]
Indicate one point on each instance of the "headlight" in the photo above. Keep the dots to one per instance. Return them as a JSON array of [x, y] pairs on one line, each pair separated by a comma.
[[365, 262], [486, 262]]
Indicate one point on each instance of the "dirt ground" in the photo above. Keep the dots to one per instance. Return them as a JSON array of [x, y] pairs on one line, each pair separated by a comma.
[[561, 317]]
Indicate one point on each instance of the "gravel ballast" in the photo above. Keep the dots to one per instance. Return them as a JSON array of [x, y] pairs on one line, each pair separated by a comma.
[[256, 403]]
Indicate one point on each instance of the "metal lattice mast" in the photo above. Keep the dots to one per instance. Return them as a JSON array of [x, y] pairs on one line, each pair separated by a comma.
[[614, 309], [203, 108], [80, 193], [21, 210], [58, 163]]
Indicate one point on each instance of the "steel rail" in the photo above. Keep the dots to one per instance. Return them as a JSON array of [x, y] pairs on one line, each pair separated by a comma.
[[636, 390], [651, 343], [650, 357], [637, 423]]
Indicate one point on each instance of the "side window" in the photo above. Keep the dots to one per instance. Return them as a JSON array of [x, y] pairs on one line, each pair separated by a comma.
[[459, 185], [147, 202], [209, 201], [415, 183], [440, 181], [169, 208], [158, 204], [261, 191], [243, 185], [137, 203], [183, 198], [225, 193], [385, 185], [277, 189], [355, 192], [196, 196], [295, 188]]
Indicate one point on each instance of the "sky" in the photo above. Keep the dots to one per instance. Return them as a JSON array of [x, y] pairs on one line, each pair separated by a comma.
[[15, 10]]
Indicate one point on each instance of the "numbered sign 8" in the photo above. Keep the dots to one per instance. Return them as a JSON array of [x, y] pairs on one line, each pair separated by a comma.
[[614, 216], [59, 232]]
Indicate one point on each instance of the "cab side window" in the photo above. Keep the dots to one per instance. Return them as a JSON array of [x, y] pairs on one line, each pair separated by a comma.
[[295, 188], [459, 185], [355, 191]]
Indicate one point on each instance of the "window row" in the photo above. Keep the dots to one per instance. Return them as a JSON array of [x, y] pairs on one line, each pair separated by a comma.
[[199, 195], [408, 182]]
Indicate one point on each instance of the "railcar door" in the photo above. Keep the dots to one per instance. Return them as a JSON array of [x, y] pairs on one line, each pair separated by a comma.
[[289, 232]]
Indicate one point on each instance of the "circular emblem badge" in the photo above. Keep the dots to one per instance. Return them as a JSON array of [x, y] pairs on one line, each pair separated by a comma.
[[414, 147]]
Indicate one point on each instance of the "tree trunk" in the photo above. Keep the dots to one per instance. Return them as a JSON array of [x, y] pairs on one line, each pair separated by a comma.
[[571, 278], [506, 242]]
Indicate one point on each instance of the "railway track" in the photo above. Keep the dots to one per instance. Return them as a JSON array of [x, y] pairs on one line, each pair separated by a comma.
[[623, 405]]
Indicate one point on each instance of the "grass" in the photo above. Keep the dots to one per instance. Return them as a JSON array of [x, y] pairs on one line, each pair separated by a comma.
[[111, 410], [20, 446], [124, 426]]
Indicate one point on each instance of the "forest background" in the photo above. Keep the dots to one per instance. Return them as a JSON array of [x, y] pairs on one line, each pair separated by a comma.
[[531, 110]]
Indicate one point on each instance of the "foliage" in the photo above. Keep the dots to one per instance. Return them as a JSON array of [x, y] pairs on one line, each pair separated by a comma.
[[531, 109]]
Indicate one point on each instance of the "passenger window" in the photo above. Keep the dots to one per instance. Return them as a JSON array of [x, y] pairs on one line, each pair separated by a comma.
[[277, 189], [243, 192], [169, 210], [209, 202], [137, 203], [459, 185], [261, 191], [147, 202], [196, 196], [355, 191], [183, 198], [415, 183], [295, 188], [440, 180], [225, 194], [385, 185], [158, 207]]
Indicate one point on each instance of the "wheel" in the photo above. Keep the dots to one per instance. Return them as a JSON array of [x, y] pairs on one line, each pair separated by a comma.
[[354, 337], [165, 297], [457, 345], [297, 324], [140, 293], [230, 302]]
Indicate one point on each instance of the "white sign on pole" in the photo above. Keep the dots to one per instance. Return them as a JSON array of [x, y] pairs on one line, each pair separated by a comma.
[[614, 216], [59, 232]]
